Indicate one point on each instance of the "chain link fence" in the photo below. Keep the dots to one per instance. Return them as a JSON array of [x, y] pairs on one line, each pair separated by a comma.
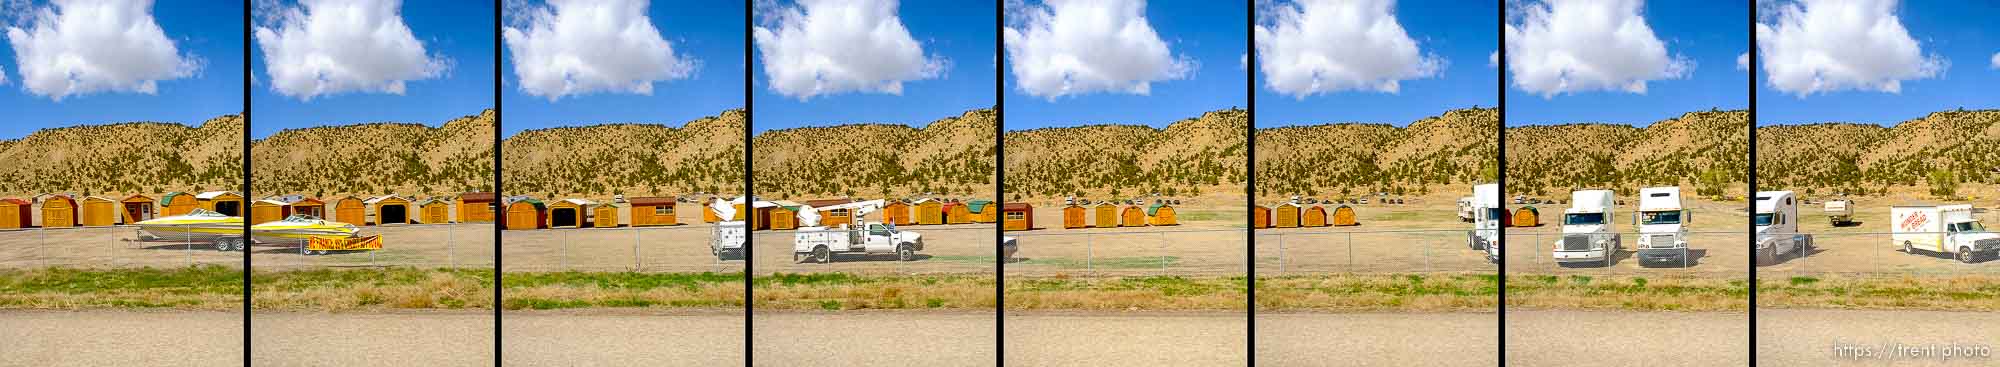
[[1129, 253], [962, 249], [684, 248], [453, 245], [1317, 251], [112, 247], [1691, 253], [1873, 254]]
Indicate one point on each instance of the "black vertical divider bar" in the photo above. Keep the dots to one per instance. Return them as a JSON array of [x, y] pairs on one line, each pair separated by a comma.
[[1500, 178], [749, 187], [500, 212], [246, 187], [1751, 183], [1250, 187], [999, 185]]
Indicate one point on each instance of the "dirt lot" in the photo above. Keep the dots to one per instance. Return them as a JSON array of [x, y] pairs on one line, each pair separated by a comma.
[[103, 247], [1718, 242], [683, 248], [1864, 247], [468, 245], [1208, 241], [1422, 235]]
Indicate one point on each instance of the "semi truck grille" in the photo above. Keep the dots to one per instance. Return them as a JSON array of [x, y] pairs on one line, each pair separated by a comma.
[[1660, 241], [1577, 242]]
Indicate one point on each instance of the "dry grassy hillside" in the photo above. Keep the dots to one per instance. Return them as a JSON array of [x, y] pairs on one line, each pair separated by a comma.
[[377, 158], [1458, 147], [949, 156], [705, 155], [1707, 150], [1935, 153], [1189, 157], [126, 158]]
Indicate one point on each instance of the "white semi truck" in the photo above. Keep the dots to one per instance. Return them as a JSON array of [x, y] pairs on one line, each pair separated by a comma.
[[1485, 234], [1943, 229], [818, 244], [1586, 232], [1662, 230], [1777, 222]]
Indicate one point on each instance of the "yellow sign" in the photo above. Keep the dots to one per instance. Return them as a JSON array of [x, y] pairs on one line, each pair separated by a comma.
[[344, 244]]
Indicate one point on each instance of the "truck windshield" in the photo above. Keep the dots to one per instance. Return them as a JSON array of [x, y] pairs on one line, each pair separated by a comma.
[[1967, 227], [1494, 213], [1672, 217], [1584, 218], [1764, 219]]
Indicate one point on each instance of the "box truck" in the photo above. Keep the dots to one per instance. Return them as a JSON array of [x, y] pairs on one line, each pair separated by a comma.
[[1662, 230], [1945, 229], [1586, 229], [1777, 222]]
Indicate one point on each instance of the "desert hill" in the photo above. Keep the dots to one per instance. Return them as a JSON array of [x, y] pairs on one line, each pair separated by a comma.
[[125, 158], [1187, 158], [377, 158], [1457, 147], [1936, 152], [1708, 150], [704, 155], [952, 156]]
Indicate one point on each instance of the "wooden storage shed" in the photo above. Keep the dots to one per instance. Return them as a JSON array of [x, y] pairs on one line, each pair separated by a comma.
[[930, 211], [350, 210], [1344, 216], [827, 218], [136, 208], [1528, 216], [389, 209], [227, 203], [526, 214], [1019, 216], [982, 210], [708, 215], [433, 211], [1133, 216], [1161, 214], [659, 211], [785, 216], [476, 207], [98, 212], [1285, 215], [267, 210], [1260, 217], [897, 212], [1106, 214], [16, 213], [957, 213], [1314, 216], [605, 216], [177, 203], [58, 211], [569, 213], [1506, 218], [1073, 216], [306, 206]]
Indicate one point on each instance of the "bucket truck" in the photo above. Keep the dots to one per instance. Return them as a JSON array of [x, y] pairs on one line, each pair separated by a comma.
[[818, 243]]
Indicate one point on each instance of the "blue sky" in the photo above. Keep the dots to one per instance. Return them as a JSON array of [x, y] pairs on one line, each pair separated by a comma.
[[1462, 33], [1961, 32], [1709, 33], [459, 31], [710, 32], [1214, 34], [209, 30], [961, 32]]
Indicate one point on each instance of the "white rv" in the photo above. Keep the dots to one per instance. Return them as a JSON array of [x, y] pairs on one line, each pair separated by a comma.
[[1839, 212], [1485, 233], [1586, 232], [1466, 209], [1777, 221], [1946, 229], [1662, 229]]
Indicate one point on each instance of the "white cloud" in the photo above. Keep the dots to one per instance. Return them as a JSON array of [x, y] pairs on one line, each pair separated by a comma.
[[574, 47], [328, 47], [87, 46], [1243, 62], [823, 47], [1074, 47], [1743, 61], [1493, 59], [1319, 46], [1825, 46], [1996, 60], [1570, 46]]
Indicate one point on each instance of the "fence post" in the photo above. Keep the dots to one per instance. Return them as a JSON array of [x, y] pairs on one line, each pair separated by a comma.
[[1089, 253], [450, 247], [1163, 253], [1281, 254], [564, 256], [190, 249], [1350, 251], [1427, 255], [638, 263]]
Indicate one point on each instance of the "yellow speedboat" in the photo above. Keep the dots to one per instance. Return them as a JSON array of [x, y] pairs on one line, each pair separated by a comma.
[[200, 225], [299, 228]]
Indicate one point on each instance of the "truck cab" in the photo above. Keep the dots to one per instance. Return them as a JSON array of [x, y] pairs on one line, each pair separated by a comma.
[[1586, 229], [1662, 233], [1777, 222], [1487, 214]]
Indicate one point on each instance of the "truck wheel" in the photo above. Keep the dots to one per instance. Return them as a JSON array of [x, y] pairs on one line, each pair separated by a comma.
[[904, 253], [1965, 255], [1768, 255], [822, 255]]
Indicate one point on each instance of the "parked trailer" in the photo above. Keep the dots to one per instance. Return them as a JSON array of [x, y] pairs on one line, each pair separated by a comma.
[[1945, 229], [1586, 232], [1839, 212], [1777, 221]]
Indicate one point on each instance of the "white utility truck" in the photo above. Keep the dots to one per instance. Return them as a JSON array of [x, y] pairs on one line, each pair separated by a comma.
[[818, 244], [1777, 221], [1586, 232], [1485, 234], [1662, 229], [727, 237], [1839, 212], [1466, 209], [1943, 229]]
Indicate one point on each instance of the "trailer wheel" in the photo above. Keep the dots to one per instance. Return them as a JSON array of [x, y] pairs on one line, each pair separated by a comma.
[[1965, 255], [822, 255], [904, 253], [222, 244], [238, 244]]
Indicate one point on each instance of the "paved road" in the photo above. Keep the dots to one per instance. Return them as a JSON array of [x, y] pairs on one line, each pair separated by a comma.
[[1377, 339], [1809, 337], [121, 338], [1627, 338], [624, 338], [431, 338]]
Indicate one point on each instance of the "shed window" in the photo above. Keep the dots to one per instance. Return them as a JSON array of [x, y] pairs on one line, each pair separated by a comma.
[[1017, 215], [838, 212], [663, 210]]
